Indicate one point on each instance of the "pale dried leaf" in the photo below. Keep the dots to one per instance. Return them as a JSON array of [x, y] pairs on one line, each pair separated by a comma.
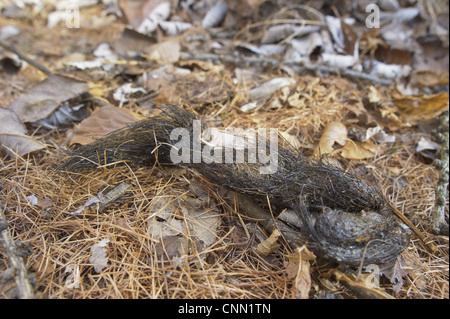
[[121, 93], [98, 257], [373, 95], [339, 61], [390, 71], [166, 52], [13, 138], [202, 218], [162, 222], [429, 78], [266, 89], [282, 31], [426, 144]]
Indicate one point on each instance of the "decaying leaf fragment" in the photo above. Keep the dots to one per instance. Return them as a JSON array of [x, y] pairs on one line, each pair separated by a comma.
[[98, 257], [298, 268], [13, 135], [260, 94], [429, 78], [269, 245]]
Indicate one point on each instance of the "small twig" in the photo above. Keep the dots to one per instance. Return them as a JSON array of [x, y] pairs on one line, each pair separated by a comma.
[[429, 246], [275, 62], [440, 226], [22, 56]]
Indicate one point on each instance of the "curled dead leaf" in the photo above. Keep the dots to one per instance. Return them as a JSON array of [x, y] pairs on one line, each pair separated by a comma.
[[269, 245], [359, 150], [334, 132]]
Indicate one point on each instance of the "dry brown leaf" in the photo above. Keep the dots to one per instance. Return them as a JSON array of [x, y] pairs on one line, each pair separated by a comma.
[[269, 245], [359, 150], [42, 99], [417, 108], [102, 121], [334, 132], [13, 135], [172, 247]]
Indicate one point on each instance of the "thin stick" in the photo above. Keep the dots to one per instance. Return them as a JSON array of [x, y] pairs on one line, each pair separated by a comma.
[[275, 63], [22, 56], [429, 246]]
